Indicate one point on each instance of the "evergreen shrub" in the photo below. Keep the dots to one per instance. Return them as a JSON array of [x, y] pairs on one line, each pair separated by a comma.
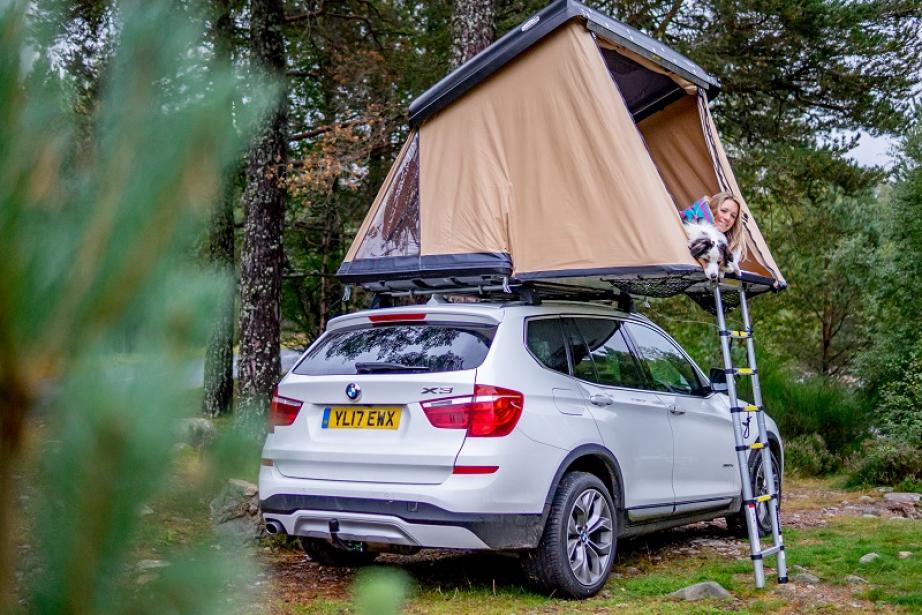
[[805, 405], [885, 461], [807, 455]]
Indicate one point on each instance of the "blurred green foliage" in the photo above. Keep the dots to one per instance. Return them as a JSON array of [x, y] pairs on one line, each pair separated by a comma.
[[380, 591], [102, 307]]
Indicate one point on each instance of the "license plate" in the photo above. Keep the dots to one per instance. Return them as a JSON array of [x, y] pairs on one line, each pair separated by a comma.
[[361, 417]]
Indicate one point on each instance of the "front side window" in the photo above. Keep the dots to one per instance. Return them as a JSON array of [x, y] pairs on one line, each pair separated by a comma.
[[399, 348], [545, 341], [609, 352], [666, 367]]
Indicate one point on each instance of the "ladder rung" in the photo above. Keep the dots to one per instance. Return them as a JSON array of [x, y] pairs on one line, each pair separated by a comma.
[[761, 498], [744, 371], [736, 334], [772, 550], [754, 446], [746, 408]]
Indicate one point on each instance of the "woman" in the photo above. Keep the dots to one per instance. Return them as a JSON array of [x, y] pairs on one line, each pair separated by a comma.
[[724, 212]]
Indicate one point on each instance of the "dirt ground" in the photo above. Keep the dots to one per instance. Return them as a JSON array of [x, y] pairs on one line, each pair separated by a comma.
[[298, 583]]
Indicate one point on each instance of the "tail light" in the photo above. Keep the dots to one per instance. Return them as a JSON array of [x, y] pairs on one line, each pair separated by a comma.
[[489, 412], [283, 411]]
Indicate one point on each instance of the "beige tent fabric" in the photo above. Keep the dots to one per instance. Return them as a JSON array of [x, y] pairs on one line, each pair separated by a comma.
[[676, 141], [379, 199], [543, 161], [759, 259], [676, 144]]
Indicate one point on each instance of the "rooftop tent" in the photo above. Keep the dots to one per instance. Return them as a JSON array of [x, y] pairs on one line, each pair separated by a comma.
[[560, 154]]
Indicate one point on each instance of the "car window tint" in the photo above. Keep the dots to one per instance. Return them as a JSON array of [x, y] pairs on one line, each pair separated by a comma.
[[429, 347], [665, 365], [614, 363], [582, 361], [545, 340]]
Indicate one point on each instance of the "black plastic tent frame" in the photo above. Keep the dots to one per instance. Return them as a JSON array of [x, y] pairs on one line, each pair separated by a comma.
[[537, 27]]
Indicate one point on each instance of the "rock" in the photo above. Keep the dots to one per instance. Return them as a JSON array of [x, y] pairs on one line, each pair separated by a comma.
[[867, 558], [854, 579], [146, 565], [865, 498], [806, 578], [248, 488], [802, 575], [235, 512], [197, 432], [146, 510], [869, 516], [904, 554], [885, 489], [902, 497], [702, 591]]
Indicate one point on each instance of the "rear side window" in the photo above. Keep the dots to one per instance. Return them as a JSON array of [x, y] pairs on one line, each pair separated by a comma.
[[614, 364], [545, 341], [399, 348]]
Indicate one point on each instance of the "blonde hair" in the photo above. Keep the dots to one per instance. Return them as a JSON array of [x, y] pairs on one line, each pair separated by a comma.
[[734, 233]]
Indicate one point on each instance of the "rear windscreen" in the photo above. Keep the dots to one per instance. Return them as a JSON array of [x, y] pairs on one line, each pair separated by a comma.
[[398, 348]]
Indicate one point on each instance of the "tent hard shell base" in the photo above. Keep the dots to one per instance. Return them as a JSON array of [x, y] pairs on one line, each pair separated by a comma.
[[560, 155]]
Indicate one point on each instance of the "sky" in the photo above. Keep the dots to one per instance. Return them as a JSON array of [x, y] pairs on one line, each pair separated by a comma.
[[872, 151]]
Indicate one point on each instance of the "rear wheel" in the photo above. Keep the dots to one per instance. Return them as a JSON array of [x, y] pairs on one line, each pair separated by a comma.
[[574, 557], [737, 521], [328, 554]]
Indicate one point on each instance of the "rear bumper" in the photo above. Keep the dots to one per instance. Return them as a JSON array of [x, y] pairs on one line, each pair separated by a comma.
[[402, 522]]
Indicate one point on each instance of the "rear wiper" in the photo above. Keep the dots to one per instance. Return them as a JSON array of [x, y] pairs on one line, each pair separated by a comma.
[[371, 367]]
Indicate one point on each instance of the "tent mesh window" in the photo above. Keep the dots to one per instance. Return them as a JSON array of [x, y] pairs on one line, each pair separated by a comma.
[[395, 229]]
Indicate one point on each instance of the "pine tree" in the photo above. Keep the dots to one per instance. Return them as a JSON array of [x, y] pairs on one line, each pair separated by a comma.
[[472, 29], [219, 357], [264, 205]]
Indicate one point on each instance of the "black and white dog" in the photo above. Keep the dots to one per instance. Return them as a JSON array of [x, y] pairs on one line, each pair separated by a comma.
[[709, 247]]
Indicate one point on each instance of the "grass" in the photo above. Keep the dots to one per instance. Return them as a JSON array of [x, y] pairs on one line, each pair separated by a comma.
[[641, 583], [833, 552]]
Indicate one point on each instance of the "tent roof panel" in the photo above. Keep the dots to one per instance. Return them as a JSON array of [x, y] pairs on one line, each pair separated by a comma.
[[536, 28]]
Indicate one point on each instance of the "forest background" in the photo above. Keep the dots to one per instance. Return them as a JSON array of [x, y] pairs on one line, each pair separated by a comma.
[[801, 79]]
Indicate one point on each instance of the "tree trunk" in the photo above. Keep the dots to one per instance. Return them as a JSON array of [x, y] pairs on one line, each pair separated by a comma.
[[264, 201], [471, 29], [219, 358]]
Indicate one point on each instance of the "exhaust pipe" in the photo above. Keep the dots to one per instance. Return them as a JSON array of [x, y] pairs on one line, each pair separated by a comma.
[[274, 527]]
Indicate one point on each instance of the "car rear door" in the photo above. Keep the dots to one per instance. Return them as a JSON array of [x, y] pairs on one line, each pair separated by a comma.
[[633, 422], [705, 460], [361, 389]]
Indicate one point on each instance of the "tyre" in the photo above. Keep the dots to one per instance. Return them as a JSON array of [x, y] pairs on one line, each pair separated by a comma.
[[574, 556], [328, 554], [737, 522]]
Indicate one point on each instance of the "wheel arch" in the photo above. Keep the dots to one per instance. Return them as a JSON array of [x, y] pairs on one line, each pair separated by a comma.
[[594, 459]]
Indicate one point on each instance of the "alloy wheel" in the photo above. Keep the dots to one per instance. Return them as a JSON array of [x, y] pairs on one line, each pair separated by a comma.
[[589, 537]]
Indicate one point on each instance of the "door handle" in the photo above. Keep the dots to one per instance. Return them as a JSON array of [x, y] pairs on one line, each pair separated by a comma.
[[675, 409], [601, 400]]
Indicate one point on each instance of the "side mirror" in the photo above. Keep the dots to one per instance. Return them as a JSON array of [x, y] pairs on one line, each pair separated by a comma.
[[718, 379]]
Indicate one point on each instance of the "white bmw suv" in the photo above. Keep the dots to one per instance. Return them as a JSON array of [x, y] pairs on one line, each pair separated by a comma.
[[550, 430]]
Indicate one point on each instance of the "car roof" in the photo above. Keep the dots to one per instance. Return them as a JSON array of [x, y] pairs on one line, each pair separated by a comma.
[[494, 311]]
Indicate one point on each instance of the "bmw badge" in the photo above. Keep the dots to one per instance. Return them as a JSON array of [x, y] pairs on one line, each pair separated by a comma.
[[353, 391]]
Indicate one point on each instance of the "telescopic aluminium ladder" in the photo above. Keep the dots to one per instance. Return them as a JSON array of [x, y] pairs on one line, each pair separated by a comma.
[[771, 496]]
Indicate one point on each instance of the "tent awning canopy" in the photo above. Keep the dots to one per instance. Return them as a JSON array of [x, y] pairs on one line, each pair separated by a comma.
[[561, 154]]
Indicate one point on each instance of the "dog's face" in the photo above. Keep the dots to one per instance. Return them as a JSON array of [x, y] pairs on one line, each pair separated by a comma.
[[709, 247]]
